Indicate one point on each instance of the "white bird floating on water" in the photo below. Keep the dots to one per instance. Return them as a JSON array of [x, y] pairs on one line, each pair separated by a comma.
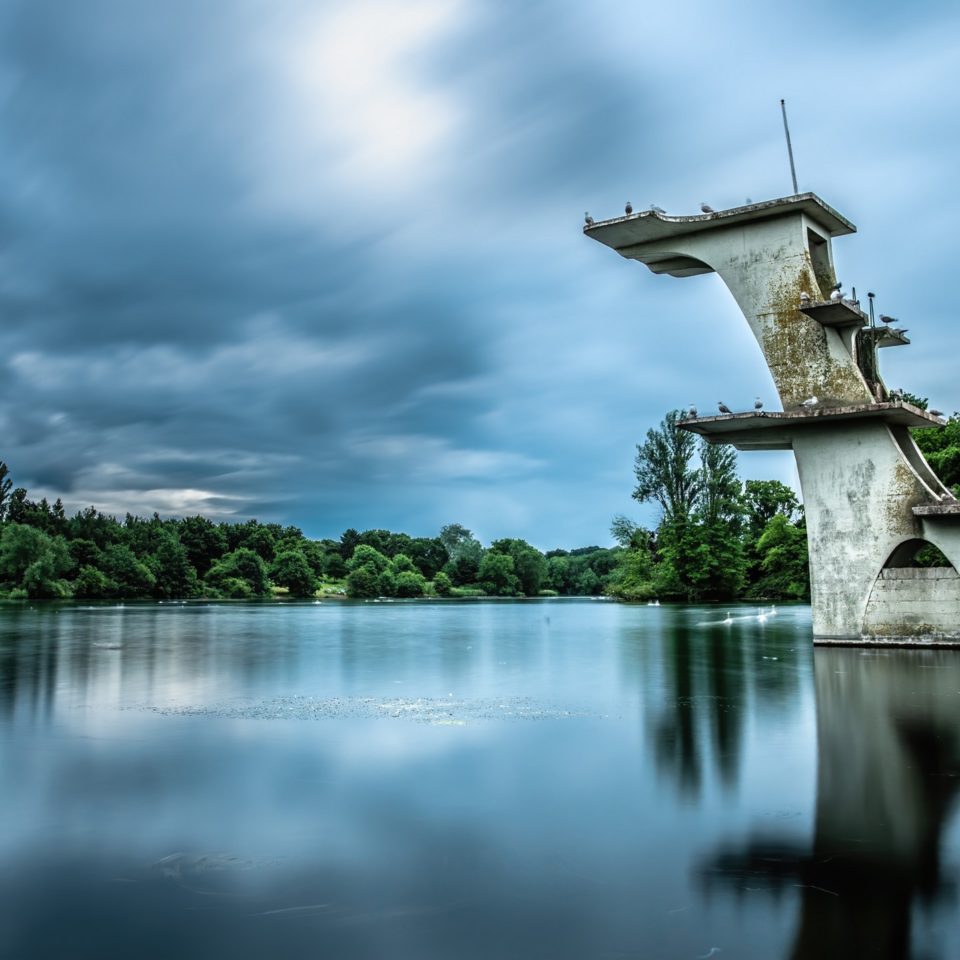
[[587, 219], [729, 619], [762, 616], [723, 407], [628, 209], [810, 402], [706, 208]]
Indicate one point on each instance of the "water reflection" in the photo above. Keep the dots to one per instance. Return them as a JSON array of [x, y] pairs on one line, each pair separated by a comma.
[[714, 677], [872, 882]]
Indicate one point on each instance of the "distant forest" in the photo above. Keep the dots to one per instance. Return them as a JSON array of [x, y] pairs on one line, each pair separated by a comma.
[[718, 539]]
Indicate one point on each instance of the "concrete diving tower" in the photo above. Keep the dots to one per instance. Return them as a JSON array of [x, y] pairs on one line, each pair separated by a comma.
[[871, 498]]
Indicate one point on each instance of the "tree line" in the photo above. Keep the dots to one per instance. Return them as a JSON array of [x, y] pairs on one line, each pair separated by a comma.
[[45, 554], [718, 539]]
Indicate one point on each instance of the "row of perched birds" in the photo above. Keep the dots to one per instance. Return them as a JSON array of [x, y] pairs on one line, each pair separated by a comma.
[[757, 406], [653, 208]]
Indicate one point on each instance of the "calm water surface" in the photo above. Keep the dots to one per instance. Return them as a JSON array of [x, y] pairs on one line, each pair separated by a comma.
[[566, 779]]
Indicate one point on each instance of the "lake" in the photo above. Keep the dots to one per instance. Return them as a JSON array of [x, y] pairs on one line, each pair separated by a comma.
[[540, 779]]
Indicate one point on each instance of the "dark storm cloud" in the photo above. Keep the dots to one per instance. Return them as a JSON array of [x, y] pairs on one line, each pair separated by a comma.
[[323, 264]]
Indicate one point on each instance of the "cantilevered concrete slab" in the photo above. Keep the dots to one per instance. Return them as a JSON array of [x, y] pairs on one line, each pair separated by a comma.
[[775, 431], [871, 498]]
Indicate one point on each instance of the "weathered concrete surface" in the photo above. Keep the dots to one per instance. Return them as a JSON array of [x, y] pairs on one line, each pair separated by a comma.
[[867, 488], [922, 601]]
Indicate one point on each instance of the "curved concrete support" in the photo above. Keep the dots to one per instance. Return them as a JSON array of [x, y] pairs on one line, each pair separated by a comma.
[[861, 477]]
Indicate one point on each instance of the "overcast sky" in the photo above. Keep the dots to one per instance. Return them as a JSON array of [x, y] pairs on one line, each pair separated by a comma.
[[322, 262]]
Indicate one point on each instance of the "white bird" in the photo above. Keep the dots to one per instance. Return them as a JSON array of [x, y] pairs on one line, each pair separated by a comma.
[[628, 209], [836, 296], [758, 404], [723, 407], [706, 208], [762, 616], [900, 330], [587, 219], [655, 209], [804, 296], [809, 402], [935, 413], [773, 610], [729, 619], [692, 412]]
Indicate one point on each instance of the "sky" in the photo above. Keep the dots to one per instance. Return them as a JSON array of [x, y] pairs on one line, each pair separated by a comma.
[[322, 263]]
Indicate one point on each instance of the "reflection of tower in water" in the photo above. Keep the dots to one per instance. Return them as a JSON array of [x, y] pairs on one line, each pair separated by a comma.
[[888, 776]]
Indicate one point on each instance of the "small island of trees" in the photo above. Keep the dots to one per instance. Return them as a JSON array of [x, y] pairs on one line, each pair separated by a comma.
[[718, 539]]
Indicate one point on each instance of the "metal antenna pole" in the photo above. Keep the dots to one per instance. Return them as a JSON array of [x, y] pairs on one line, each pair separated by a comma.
[[871, 296], [786, 130]]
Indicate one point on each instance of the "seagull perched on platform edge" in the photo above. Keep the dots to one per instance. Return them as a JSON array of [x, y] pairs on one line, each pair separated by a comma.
[[706, 208], [810, 402], [758, 404], [692, 412], [587, 219], [723, 407], [655, 209], [628, 209], [936, 413]]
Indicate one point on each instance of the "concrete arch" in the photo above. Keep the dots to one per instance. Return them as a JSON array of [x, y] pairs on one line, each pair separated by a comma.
[[922, 603]]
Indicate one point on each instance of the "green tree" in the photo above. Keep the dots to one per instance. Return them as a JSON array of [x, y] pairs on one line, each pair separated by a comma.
[[784, 560], [93, 584], [241, 564], [291, 570], [529, 564], [174, 575], [410, 583], [497, 576], [131, 575], [34, 561], [369, 573], [763, 499], [204, 542], [664, 471], [941, 447], [442, 585]]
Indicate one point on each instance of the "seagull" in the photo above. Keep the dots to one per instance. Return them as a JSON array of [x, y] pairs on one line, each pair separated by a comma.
[[889, 321], [836, 296], [900, 330], [655, 209], [804, 296], [706, 208], [587, 219], [748, 200], [809, 402], [758, 404], [692, 412], [628, 209], [723, 407], [762, 616], [936, 413], [729, 619]]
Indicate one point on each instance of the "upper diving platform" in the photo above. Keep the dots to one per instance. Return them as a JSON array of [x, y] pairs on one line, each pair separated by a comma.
[[648, 226]]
